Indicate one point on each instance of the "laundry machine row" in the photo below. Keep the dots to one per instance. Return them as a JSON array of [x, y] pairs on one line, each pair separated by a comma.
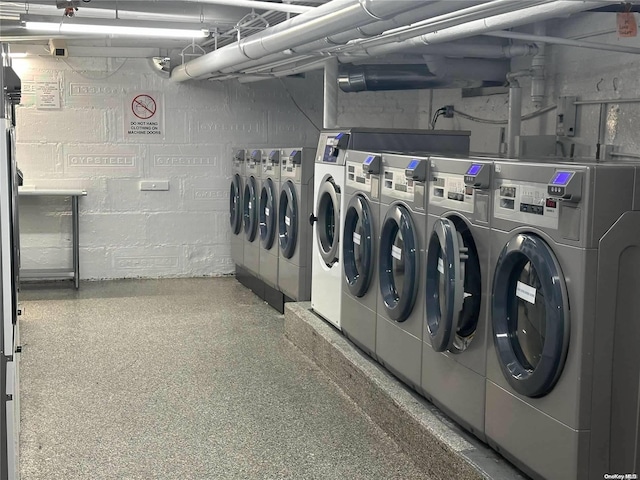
[[329, 198], [260, 239], [523, 327]]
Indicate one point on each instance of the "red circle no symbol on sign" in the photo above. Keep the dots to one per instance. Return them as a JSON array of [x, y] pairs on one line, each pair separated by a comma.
[[143, 107]]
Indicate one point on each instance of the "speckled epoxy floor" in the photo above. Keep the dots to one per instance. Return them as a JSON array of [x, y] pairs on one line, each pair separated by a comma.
[[182, 379]]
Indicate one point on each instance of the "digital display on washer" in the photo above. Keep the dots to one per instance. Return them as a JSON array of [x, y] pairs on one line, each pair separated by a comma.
[[561, 178], [413, 164], [369, 159], [474, 169]]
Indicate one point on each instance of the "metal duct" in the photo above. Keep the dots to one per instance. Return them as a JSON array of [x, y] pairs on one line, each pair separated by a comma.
[[363, 78]]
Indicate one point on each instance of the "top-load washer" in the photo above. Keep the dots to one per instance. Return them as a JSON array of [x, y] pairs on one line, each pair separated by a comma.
[[268, 217], [327, 284], [399, 325], [563, 364], [457, 288], [294, 230], [236, 194], [360, 249], [250, 208]]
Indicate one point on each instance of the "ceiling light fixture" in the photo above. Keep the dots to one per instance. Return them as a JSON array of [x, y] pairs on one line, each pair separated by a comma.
[[95, 26]]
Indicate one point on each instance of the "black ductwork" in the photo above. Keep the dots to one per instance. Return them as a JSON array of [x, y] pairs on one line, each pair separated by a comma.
[[361, 78]]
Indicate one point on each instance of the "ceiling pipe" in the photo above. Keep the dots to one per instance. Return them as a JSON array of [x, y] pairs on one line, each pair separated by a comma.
[[328, 19], [451, 18], [432, 8], [564, 41], [497, 22], [438, 21], [454, 18], [258, 5]]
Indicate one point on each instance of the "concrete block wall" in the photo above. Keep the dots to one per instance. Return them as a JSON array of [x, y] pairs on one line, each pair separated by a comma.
[[125, 232]]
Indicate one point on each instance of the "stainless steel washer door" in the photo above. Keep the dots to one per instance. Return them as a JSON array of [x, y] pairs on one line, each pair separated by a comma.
[[250, 209], [288, 216], [530, 315], [358, 246], [453, 286], [268, 214], [399, 267], [328, 220], [235, 204]]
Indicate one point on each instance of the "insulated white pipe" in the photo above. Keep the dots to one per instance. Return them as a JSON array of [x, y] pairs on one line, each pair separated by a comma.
[[515, 113], [432, 8], [330, 111], [464, 50], [537, 69], [258, 5], [564, 41], [497, 22], [327, 19]]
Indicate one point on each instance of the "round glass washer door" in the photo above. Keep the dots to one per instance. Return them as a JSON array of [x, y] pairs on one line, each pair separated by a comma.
[[453, 286], [530, 315], [235, 204], [267, 216], [250, 209], [398, 268], [288, 219], [328, 220], [358, 246]]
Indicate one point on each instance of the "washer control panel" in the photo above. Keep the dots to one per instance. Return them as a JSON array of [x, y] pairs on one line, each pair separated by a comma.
[[450, 190], [396, 184], [526, 202], [290, 164]]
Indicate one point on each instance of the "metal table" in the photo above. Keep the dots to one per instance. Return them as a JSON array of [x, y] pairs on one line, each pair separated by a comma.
[[58, 273]]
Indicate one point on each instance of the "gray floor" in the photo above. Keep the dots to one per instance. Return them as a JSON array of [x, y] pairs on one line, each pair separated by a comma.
[[182, 379]]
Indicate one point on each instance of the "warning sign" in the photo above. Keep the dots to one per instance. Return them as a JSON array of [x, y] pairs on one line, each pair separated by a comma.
[[144, 119]]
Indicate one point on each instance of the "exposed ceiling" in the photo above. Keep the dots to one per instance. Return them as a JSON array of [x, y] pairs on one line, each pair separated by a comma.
[[256, 39], [221, 20]]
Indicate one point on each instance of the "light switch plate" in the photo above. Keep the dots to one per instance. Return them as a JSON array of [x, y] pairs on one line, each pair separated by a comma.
[[154, 185]]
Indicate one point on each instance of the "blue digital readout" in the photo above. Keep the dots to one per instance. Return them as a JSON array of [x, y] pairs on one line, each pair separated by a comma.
[[339, 136], [293, 153], [413, 164], [561, 178], [369, 159], [474, 169]]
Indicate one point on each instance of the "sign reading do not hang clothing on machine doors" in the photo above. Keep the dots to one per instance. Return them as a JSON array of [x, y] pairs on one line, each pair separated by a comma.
[[144, 118]]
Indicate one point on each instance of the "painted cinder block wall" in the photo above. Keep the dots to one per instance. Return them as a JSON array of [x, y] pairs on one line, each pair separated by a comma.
[[183, 232], [125, 232]]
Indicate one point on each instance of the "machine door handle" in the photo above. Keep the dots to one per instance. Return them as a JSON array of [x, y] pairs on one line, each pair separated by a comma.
[[312, 219]]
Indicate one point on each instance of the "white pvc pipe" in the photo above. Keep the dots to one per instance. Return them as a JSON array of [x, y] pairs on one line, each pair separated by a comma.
[[327, 19], [330, 111], [515, 122], [497, 22], [538, 69], [564, 41], [258, 5]]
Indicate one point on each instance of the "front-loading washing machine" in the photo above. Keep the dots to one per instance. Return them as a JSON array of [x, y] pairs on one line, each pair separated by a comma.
[[250, 208], [236, 194], [457, 288], [268, 217], [326, 290], [294, 230], [563, 365], [360, 249], [399, 324]]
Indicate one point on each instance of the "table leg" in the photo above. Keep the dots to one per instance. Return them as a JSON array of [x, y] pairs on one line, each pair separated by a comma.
[[76, 240]]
